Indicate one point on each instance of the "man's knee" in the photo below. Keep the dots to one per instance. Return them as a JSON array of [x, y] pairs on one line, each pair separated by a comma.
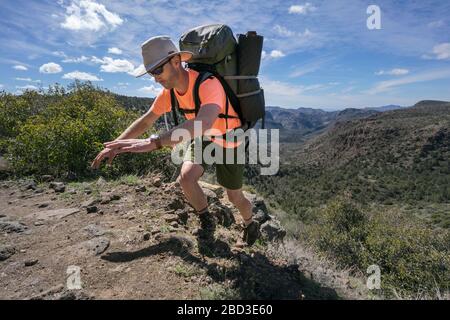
[[189, 174]]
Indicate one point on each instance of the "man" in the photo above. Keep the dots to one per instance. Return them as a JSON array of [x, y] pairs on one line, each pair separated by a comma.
[[163, 61]]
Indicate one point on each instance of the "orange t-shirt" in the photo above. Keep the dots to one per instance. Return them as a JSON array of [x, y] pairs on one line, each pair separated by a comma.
[[210, 92]]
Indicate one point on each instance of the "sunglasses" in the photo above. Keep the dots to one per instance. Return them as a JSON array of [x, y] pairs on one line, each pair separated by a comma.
[[157, 71]]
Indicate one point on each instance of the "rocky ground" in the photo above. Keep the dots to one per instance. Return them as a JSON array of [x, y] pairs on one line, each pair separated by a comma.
[[137, 239]]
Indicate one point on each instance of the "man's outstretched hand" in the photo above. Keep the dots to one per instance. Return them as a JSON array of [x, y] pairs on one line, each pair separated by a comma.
[[105, 153], [113, 148]]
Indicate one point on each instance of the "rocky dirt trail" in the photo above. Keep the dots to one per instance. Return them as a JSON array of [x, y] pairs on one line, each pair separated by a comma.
[[112, 240]]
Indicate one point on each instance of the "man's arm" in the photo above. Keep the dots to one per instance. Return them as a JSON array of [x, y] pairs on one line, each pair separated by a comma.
[[207, 115], [139, 126]]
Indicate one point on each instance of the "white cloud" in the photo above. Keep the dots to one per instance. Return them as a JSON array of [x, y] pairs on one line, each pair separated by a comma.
[[152, 90], [24, 79], [294, 41], [76, 60], [81, 76], [123, 84], [422, 77], [117, 65], [114, 65], [50, 67], [274, 54], [283, 31], [277, 54], [89, 15], [442, 51], [393, 72], [27, 80], [21, 68], [94, 59], [114, 50], [302, 9], [1, 86], [59, 54], [27, 87]]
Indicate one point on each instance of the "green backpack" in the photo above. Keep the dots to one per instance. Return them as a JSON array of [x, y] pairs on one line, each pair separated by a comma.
[[234, 63]]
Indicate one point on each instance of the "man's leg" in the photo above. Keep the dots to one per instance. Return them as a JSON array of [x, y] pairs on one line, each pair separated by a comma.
[[188, 179], [251, 231], [238, 199]]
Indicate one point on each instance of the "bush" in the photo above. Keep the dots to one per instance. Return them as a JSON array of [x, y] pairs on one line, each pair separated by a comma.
[[413, 259], [343, 231], [63, 138]]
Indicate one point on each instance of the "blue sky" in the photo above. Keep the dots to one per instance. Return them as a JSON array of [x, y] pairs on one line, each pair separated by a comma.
[[317, 54]]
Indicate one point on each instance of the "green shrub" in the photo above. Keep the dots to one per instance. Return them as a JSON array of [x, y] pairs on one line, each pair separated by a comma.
[[64, 137], [343, 231], [413, 259]]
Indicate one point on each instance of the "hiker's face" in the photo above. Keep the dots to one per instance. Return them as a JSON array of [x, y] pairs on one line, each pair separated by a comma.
[[169, 75]]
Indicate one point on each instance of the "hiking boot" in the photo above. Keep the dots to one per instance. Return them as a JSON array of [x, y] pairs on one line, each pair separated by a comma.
[[207, 225], [251, 233]]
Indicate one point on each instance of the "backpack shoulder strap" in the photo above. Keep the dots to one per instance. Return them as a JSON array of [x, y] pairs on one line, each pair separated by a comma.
[[229, 95], [174, 103], [200, 79]]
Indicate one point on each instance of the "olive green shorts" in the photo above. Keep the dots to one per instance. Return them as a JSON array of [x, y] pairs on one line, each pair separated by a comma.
[[229, 175]]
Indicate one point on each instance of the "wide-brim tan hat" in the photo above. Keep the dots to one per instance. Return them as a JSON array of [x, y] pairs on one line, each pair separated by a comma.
[[156, 50]]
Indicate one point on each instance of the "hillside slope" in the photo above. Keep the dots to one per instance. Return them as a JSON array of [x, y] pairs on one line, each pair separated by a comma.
[[135, 239], [406, 136]]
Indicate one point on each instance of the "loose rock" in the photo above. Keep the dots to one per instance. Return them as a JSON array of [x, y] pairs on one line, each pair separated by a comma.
[[91, 209], [30, 263], [96, 246], [12, 226], [59, 187], [6, 252]]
